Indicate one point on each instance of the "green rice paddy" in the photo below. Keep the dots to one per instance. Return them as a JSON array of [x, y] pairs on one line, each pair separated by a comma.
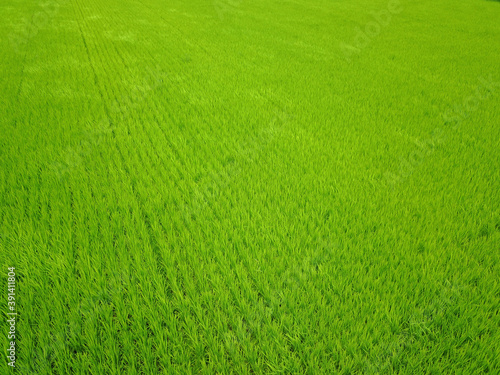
[[250, 187]]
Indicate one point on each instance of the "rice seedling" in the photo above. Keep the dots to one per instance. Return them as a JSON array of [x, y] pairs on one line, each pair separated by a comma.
[[299, 187]]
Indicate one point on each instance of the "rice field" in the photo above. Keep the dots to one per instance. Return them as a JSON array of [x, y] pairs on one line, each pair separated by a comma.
[[250, 187]]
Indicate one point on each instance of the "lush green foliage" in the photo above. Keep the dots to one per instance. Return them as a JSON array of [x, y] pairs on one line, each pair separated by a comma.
[[251, 186]]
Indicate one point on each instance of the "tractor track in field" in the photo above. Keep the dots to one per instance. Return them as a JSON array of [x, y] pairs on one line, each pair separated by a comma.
[[172, 277], [179, 170], [155, 247], [148, 223], [152, 238]]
